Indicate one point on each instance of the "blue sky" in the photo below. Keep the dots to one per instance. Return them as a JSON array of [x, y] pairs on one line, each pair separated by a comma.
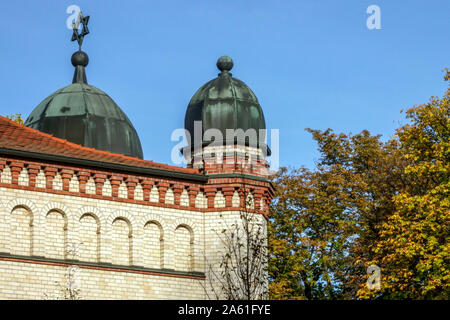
[[311, 63]]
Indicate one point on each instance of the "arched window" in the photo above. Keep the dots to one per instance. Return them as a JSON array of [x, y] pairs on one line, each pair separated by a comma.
[[55, 234], [121, 239], [153, 245], [89, 234], [21, 231], [184, 248]]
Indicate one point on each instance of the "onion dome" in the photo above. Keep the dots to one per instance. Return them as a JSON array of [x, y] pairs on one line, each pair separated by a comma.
[[85, 115], [225, 103]]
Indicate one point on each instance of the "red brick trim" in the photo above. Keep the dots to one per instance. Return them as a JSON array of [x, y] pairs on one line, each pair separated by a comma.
[[66, 176], [83, 177], [225, 184], [16, 168]]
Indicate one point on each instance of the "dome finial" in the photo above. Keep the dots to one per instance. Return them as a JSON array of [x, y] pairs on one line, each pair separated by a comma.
[[225, 64], [80, 59]]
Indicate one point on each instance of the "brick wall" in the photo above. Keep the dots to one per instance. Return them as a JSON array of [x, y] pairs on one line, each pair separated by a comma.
[[133, 237]]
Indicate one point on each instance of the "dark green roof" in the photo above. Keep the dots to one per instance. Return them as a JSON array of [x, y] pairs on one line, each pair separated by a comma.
[[225, 103], [83, 114]]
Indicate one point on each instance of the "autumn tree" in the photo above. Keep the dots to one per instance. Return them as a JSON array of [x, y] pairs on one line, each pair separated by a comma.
[[367, 202], [323, 221], [305, 247], [414, 248]]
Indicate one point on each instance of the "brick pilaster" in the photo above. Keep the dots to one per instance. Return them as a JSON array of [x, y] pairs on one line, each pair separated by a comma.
[[177, 190], [243, 198], [162, 189], [33, 171], [16, 168], [66, 176], [193, 191], [131, 185], [210, 195], [99, 180], [83, 177], [257, 195], [2, 166], [147, 186], [115, 183], [50, 173], [228, 192]]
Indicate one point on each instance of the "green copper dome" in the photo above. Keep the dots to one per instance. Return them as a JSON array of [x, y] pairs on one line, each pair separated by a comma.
[[225, 103], [85, 115]]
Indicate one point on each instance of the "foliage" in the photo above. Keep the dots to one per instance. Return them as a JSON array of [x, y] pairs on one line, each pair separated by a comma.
[[321, 220], [366, 203], [16, 118], [414, 249]]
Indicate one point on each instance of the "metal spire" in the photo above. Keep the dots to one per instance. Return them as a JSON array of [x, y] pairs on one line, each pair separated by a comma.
[[84, 31]]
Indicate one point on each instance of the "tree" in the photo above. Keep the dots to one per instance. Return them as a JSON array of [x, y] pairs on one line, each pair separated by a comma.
[[242, 273], [322, 221], [414, 249], [305, 246], [16, 118], [366, 203], [69, 289]]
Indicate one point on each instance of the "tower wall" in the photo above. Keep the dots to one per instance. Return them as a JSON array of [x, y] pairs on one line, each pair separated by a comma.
[[231, 159], [238, 178]]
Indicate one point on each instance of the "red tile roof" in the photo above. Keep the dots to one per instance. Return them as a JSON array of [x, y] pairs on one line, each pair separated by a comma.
[[19, 137]]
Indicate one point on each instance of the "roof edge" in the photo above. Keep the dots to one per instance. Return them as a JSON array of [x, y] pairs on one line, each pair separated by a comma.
[[105, 165]]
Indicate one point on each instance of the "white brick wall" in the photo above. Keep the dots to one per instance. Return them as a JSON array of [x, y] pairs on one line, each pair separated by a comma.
[[36, 223], [154, 194], [138, 192], [57, 182], [169, 197], [184, 198], [236, 200], [6, 175], [123, 191], [90, 186], [23, 177], [200, 200], [34, 281], [219, 200], [74, 185]]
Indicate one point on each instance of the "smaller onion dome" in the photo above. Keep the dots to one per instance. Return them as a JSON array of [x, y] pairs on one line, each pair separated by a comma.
[[225, 103]]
